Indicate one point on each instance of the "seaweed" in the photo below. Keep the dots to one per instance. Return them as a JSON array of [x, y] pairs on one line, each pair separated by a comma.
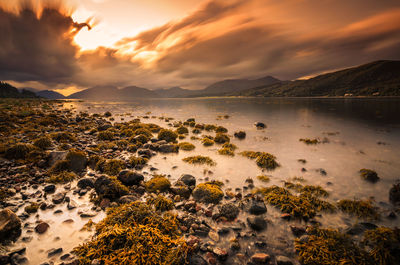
[[263, 159], [264, 178], [161, 203], [18, 151], [330, 247], [182, 130], [199, 160], [158, 183], [221, 129], [186, 146], [105, 135], [43, 142], [135, 234], [113, 166], [359, 208], [207, 141], [309, 141], [226, 151], [62, 177], [209, 192], [384, 244], [167, 135], [221, 138], [136, 161]]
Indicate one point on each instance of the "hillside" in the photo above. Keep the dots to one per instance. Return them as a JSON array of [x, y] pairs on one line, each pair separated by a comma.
[[49, 94], [8, 91], [113, 93], [235, 85], [377, 78]]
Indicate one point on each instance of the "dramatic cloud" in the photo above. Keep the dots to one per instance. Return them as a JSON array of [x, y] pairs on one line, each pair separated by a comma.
[[221, 39], [37, 44]]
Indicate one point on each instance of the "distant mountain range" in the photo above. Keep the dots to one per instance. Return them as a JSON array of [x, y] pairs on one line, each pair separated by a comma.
[[379, 78]]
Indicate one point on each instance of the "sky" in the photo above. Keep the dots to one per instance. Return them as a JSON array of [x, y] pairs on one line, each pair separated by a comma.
[[71, 45]]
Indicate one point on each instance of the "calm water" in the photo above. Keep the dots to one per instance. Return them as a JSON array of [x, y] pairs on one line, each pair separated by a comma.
[[366, 134]]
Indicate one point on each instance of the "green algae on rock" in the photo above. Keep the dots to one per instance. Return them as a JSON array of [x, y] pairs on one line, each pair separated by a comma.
[[158, 183], [186, 146], [199, 160], [208, 192]]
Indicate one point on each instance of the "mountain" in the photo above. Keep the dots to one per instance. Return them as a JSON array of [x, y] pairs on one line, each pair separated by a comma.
[[236, 85], [175, 92], [379, 78], [8, 91], [113, 93], [50, 94]]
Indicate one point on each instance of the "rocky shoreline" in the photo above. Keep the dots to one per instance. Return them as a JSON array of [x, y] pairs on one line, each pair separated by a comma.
[[95, 175]]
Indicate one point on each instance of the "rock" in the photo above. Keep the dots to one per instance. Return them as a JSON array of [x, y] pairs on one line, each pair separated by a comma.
[[55, 156], [105, 203], [85, 182], [5, 259], [240, 135], [129, 177], [297, 230], [369, 175], [208, 193], [108, 188], [77, 161], [260, 258], [168, 148], [54, 251], [214, 236], [229, 210], [394, 193], [282, 260], [58, 198], [181, 190], [127, 199], [221, 253], [49, 188], [42, 227], [10, 225], [189, 180], [257, 207], [195, 259], [72, 205], [257, 223], [18, 259], [260, 125]]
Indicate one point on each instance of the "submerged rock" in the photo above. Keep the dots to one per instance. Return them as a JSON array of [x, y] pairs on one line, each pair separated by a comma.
[[129, 177], [42, 227], [189, 180], [257, 223], [394, 193], [10, 225], [85, 182], [260, 125], [282, 260], [257, 207], [229, 210], [369, 175]]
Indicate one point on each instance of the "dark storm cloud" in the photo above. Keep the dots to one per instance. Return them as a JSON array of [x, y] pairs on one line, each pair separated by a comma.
[[37, 45]]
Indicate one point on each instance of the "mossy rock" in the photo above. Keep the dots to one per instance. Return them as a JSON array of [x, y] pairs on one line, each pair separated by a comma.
[[158, 184], [113, 166], [137, 161], [77, 160], [32, 208], [161, 203], [221, 138], [309, 141], [199, 160], [182, 130], [267, 161], [43, 142], [110, 188], [360, 208], [63, 137], [369, 175], [105, 135], [167, 135], [18, 151], [221, 129], [186, 146], [226, 151], [62, 177], [208, 193], [207, 141]]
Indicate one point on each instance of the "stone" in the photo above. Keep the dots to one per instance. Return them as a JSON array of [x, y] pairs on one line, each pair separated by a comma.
[[257, 207], [214, 236], [229, 210], [260, 125], [240, 135], [181, 190], [257, 223], [49, 188], [260, 258], [10, 225], [54, 251], [221, 253], [77, 163], [283, 260], [188, 180], [127, 199], [55, 156], [17, 259], [42, 227], [168, 148], [58, 198], [129, 177], [72, 205], [85, 182], [394, 193]]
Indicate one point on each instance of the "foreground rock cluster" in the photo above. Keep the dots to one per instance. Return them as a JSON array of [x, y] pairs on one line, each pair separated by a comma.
[[54, 157]]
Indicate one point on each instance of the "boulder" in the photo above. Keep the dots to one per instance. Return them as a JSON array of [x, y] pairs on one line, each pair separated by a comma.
[[208, 193], [257, 207], [49, 188], [129, 177], [42, 227], [85, 182], [10, 225], [109, 188], [55, 156], [369, 175], [188, 180], [168, 148], [257, 223], [58, 198], [181, 190], [229, 210]]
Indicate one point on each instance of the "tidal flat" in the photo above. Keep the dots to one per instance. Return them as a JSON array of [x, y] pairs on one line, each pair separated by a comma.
[[200, 181]]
